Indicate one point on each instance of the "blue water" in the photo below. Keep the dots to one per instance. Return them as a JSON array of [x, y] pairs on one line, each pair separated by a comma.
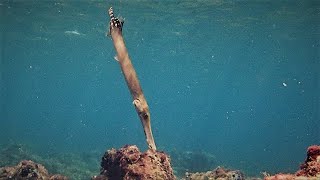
[[237, 79]]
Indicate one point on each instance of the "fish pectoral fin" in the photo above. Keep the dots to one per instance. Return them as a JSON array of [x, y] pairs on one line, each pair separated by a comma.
[[116, 58], [137, 104]]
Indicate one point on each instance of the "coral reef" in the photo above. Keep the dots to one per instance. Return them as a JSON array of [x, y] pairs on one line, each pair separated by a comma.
[[129, 163], [217, 174], [309, 170], [72, 165], [28, 170]]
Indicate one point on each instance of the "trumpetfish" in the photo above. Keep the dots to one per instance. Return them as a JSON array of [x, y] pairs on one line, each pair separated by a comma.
[[130, 75]]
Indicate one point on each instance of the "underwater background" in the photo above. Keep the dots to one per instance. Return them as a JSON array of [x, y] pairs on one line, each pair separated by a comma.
[[234, 80]]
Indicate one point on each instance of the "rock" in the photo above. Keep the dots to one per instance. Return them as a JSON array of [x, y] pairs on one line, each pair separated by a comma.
[[280, 176], [28, 170], [309, 170], [217, 174], [311, 166], [129, 163]]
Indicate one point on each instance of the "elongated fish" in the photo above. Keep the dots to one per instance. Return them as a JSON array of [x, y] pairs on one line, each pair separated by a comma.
[[131, 78]]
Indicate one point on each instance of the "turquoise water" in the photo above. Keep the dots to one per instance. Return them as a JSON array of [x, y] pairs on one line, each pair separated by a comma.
[[236, 79]]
